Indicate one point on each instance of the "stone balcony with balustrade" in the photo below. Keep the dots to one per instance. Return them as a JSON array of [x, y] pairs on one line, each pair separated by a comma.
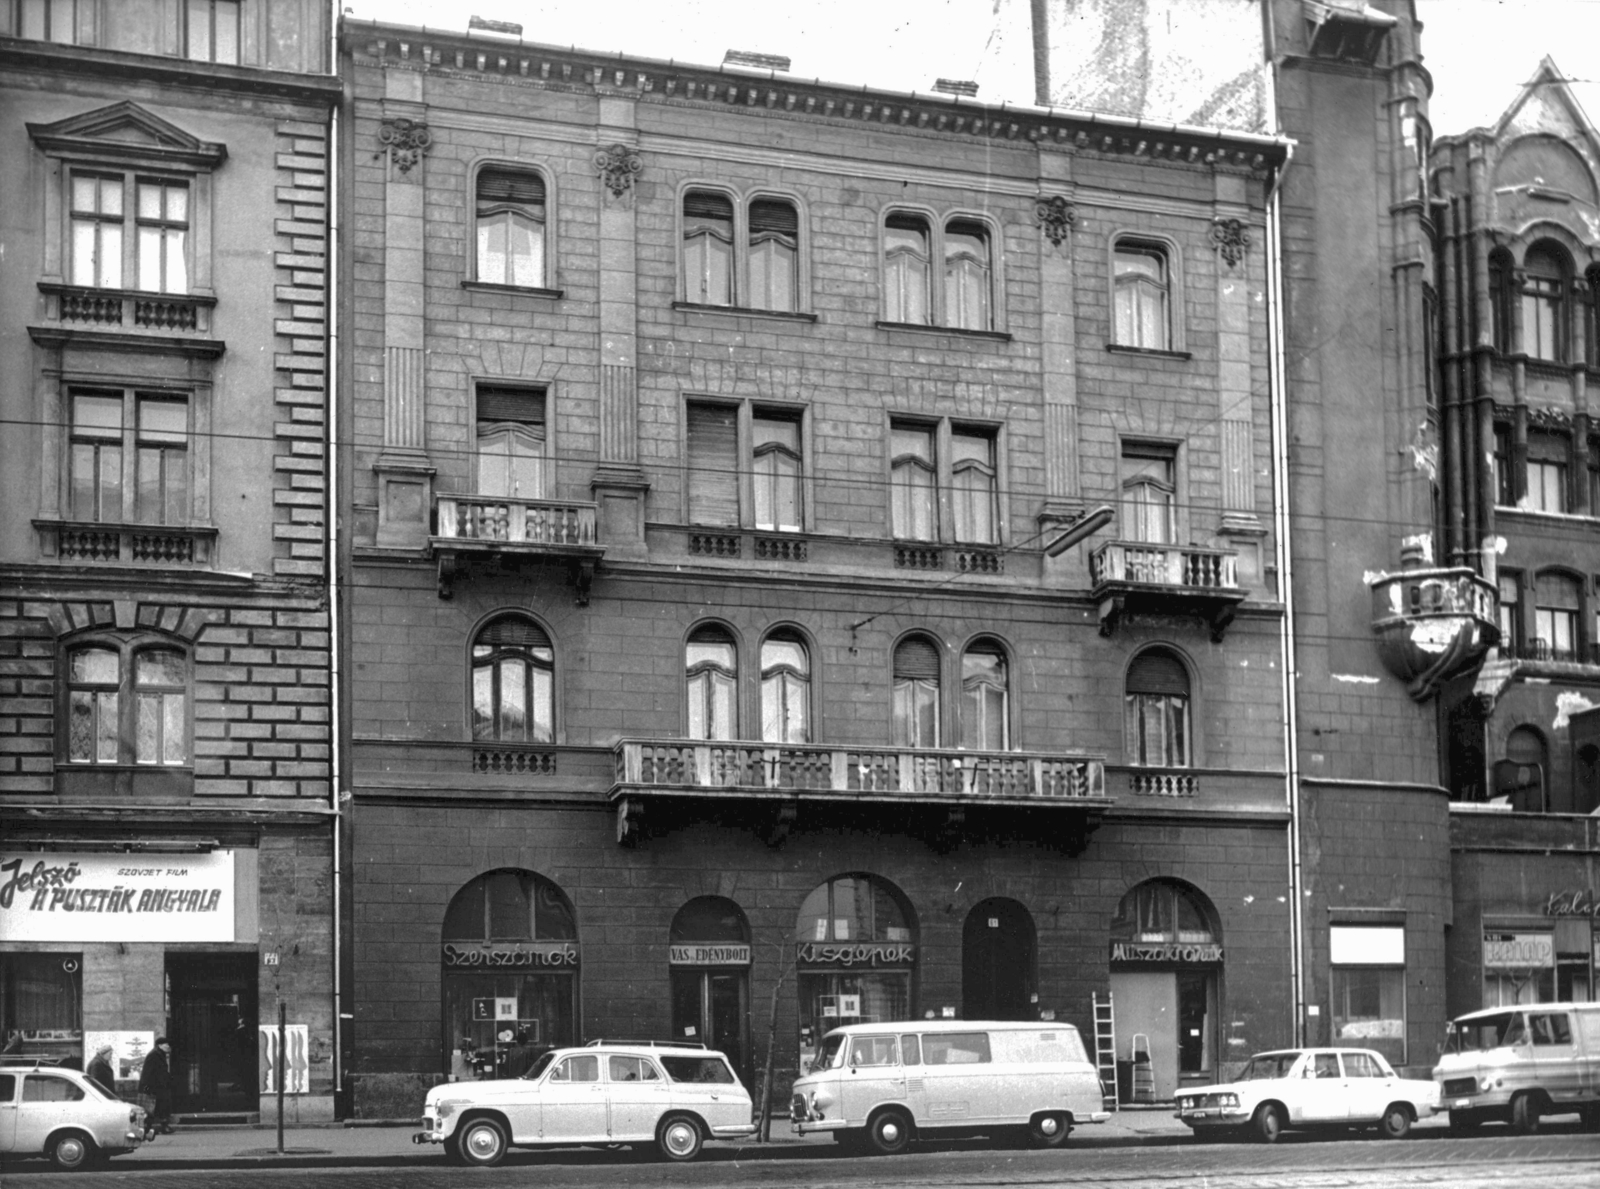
[[1133, 577], [505, 530], [128, 319]]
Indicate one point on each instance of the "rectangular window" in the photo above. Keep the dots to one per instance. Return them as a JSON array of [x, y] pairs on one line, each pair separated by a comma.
[[163, 461], [974, 487], [510, 217], [41, 996], [1368, 989], [212, 30], [511, 441], [1140, 297], [1510, 584], [163, 222], [1149, 492], [776, 463], [1541, 317], [1547, 486], [95, 466], [713, 455], [1504, 486], [905, 270], [103, 251], [97, 230], [774, 256], [48, 20], [708, 249], [112, 427], [913, 481]]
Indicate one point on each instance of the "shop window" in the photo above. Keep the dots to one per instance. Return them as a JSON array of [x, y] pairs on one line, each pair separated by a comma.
[[1162, 911], [513, 682], [1149, 492], [985, 697], [48, 20], [41, 1002], [1545, 314], [211, 30], [1368, 989], [710, 958], [1518, 968], [127, 703], [511, 441], [1574, 941], [1557, 602], [510, 222], [1156, 702], [711, 670], [1141, 296], [915, 707], [785, 689]]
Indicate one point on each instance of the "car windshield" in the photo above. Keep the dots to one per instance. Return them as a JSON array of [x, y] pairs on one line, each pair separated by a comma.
[[1485, 1032], [832, 1054], [539, 1066], [698, 1069], [1268, 1065]]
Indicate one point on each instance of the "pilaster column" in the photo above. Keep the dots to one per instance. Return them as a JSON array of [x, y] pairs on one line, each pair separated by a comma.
[[1237, 254], [1056, 218]]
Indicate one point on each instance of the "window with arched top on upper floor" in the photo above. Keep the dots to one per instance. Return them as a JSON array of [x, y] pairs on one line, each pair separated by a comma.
[[127, 702], [1141, 294], [915, 708], [1546, 317], [985, 696], [510, 227], [785, 688], [711, 683], [513, 682], [1156, 702]]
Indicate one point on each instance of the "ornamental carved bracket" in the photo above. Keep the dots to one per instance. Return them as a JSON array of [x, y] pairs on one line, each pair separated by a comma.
[[618, 166], [1056, 217], [1231, 238], [405, 141]]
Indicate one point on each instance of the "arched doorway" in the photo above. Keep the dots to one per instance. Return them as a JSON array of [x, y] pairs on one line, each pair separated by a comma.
[[997, 962], [855, 954], [510, 954], [1166, 964], [710, 961]]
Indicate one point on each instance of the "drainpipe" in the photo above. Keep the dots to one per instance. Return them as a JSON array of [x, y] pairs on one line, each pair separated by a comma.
[[331, 551]]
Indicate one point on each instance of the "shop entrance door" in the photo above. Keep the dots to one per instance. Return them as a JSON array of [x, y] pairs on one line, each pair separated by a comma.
[[211, 1006], [997, 946], [710, 1007]]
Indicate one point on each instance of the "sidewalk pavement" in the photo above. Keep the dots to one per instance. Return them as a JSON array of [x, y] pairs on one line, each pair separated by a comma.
[[388, 1144]]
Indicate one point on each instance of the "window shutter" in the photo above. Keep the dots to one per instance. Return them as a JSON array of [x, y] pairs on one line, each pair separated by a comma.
[[512, 632], [1157, 673], [496, 186], [1557, 590], [768, 216], [713, 465], [523, 405], [697, 205], [916, 660]]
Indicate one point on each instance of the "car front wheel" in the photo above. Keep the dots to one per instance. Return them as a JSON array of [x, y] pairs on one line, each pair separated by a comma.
[[889, 1133], [1525, 1114], [73, 1151], [679, 1138], [1268, 1123], [481, 1142], [1396, 1121]]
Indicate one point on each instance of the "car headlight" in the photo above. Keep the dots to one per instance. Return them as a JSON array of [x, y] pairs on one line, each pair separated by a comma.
[[1229, 1100]]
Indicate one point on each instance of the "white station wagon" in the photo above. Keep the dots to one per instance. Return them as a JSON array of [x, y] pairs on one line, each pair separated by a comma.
[[59, 1113], [672, 1096], [1310, 1088]]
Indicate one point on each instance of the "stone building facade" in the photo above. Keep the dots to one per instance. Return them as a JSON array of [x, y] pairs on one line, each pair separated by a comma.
[[811, 560], [165, 636]]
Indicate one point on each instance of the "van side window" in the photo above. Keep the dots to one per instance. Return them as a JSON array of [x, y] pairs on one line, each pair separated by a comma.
[[910, 1050], [956, 1048], [1550, 1029], [873, 1050]]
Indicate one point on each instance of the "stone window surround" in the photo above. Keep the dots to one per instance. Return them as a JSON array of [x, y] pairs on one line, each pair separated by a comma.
[[552, 236], [938, 221], [1196, 739], [558, 719], [747, 673], [944, 490], [1130, 445], [742, 200], [1135, 237], [745, 410], [952, 697]]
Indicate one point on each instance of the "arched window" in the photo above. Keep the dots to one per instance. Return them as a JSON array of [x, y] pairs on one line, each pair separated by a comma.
[[838, 921], [708, 248], [510, 219], [1522, 777], [1162, 910], [1500, 295], [513, 682], [916, 693], [710, 919], [1557, 601], [985, 697], [913, 483], [785, 689], [710, 963], [853, 908], [1157, 708], [1544, 304], [510, 905], [774, 255], [905, 269], [1141, 296], [967, 275], [127, 703], [711, 670]]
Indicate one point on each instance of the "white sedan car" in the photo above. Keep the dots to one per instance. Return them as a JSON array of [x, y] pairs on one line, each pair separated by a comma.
[[1310, 1088], [59, 1113], [672, 1096]]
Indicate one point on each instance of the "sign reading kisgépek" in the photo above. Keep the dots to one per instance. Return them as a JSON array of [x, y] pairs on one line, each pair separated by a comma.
[[93, 897], [859, 953]]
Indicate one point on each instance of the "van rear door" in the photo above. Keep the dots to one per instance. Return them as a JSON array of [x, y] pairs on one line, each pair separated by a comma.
[[1555, 1056]]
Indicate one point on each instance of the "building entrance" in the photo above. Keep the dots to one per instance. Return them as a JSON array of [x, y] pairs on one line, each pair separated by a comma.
[[211, 1012], [710, 975], [997, 962]]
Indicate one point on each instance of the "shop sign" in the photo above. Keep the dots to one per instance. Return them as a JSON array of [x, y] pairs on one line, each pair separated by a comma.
[[1579, 903], [468, 955], [860, 953], [97, 897], [692, 954], [1518, 951], [1171, 951]]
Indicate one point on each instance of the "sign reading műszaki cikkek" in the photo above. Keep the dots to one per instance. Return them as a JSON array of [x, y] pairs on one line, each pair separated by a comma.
[[1165, 951], [96, 897]]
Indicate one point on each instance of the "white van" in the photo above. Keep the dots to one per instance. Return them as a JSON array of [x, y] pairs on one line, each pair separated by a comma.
[[883, 1084], [1518, 1064]]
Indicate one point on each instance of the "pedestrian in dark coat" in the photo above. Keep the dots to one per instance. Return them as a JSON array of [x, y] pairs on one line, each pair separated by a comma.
[[155, 1079], [100, 1070]]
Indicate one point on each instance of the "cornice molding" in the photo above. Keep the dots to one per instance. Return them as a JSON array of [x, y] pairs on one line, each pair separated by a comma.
[[91, 62]]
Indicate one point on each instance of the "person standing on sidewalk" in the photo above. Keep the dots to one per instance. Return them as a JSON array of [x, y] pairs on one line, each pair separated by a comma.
[[155, 1079], [99, 1070]]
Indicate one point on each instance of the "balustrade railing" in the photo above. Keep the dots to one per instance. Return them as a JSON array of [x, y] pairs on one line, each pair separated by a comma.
[[514, 521], [864, 771], [1164, 565], [93, 306]]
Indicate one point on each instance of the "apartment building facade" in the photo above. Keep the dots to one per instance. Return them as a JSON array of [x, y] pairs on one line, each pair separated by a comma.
[[165, 651]]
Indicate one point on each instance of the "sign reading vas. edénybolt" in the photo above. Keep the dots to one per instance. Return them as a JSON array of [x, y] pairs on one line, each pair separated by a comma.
[[94, 897]]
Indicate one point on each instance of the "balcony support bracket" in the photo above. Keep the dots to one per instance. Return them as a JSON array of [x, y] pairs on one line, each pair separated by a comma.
[[580, 575], [630, 821], [449, 566], [781, 822]]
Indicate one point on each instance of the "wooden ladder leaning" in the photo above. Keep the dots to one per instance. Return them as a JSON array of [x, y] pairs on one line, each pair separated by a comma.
[[1105, 1048]]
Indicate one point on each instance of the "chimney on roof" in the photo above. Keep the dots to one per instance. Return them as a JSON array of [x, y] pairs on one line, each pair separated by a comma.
[[955, 86], [481, 25], [756, 61]]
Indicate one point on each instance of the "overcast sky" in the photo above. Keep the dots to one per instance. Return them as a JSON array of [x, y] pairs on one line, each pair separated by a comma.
[[1479, 51]]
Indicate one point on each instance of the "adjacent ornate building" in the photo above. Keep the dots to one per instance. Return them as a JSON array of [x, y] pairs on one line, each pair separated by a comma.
[[166, 837]]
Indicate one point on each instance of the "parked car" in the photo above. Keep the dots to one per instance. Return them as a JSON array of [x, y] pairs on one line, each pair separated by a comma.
[[673, 1096], [1518, 1064], [881, 1085], [46, 1110], [1310, 1088]]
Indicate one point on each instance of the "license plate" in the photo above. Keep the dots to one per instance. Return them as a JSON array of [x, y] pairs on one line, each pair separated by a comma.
[[1199, 1114]]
